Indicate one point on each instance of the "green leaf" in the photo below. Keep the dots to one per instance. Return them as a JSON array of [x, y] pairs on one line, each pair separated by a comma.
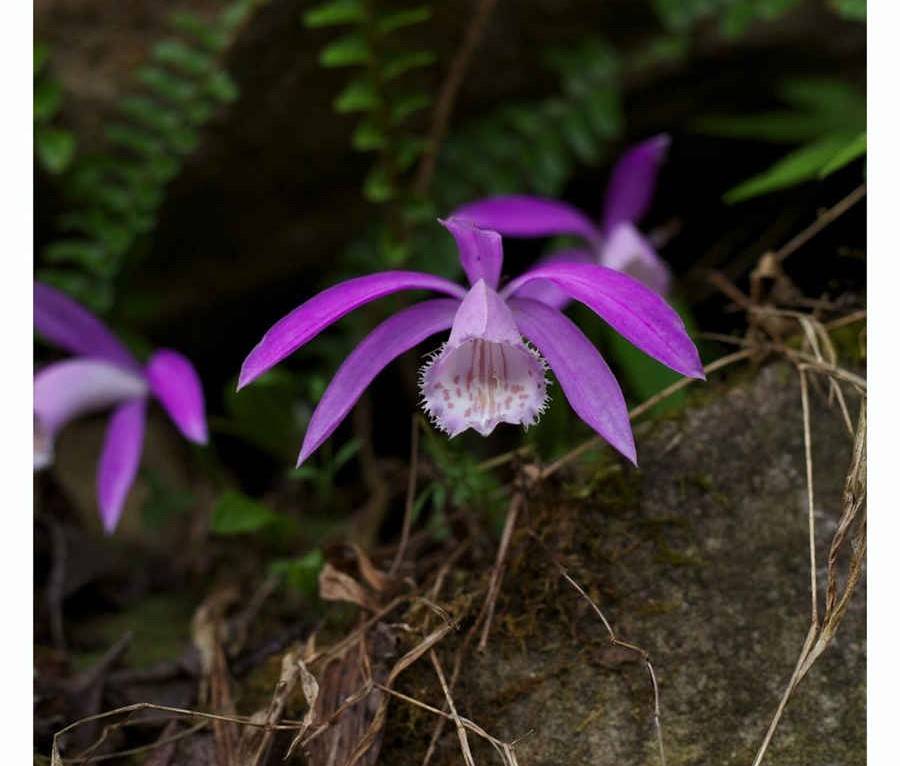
[[398, 19], [834, 100], [164, 501], [206, 34], [221, 87], [408, 150], [91, 256], [236, 514], [189, 60], [855, 10], [368, 136], [136, 139], [47, 98], [41, 56], [739, 14], [404, 106], [575, 128], [358, 96], [584, 67], [265, 414], [377, 186], [301, 573], [145, 110], [787, 127], [854, 149], [94, 223], [350, 50], [166, 85], [402, 63], [346, 453], [804, 164], [55, 149], [162, 120], [603, 109], [549, 164], [96, 294], [236, 14], [335, 12]]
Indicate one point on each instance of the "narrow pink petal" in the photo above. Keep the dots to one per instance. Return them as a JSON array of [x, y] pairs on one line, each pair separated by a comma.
[[65, 323], [584, 377], [629, 251], [480, 250], [547, 292], [175, 383], [65, 390], [385, 343], [518, 215], [120, 459], [637, 313], [309, 319], [633, 181]]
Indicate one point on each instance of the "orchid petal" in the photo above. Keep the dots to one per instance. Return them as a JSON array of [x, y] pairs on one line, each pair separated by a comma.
[[518, 215], [66, 324], [632, 182], [120, 459], [584, 377], [309, 319], [547, 292], [385, 343], [483, 314], [64, 390], [480, 250], [629, 251], [175, 383], [637, 313]]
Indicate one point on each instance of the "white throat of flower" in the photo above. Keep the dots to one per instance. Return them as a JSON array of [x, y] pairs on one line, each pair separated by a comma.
[[485, 374]]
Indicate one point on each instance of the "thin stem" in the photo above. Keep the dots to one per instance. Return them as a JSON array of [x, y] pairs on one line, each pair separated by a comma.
[[447, 98], [410, 497]]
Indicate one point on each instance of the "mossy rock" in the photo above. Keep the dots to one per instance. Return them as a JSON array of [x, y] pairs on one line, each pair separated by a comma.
[[704, 564]]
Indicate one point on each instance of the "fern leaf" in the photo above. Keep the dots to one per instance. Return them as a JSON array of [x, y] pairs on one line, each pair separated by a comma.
[[335, 13], [350, 50]]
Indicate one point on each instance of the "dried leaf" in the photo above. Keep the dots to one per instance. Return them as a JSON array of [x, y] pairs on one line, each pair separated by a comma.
[[372, 575], [334, 585]]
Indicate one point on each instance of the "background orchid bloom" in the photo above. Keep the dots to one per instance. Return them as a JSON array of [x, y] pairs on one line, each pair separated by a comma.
[[102, 375], [616, 243], [486, 373]]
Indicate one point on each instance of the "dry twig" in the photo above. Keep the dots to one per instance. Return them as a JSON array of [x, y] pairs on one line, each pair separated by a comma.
[[410, 497], [490, 601]]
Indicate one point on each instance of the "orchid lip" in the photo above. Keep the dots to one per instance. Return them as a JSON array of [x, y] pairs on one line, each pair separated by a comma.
[[480, 384]]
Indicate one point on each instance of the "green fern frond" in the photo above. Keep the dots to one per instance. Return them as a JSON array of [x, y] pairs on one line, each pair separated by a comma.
[[370, 45], [54, 146], [735, 16], [115, 197]]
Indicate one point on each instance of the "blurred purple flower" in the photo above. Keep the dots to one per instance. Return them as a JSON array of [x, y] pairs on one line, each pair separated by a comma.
[[616, 243], [486, 373], [103, 374]]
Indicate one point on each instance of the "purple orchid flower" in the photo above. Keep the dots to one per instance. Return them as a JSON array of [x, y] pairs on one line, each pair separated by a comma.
[[486, 373], [616, 243], [104, 374]]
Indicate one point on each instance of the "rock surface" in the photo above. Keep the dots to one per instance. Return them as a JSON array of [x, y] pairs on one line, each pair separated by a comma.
[[700, 557]]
